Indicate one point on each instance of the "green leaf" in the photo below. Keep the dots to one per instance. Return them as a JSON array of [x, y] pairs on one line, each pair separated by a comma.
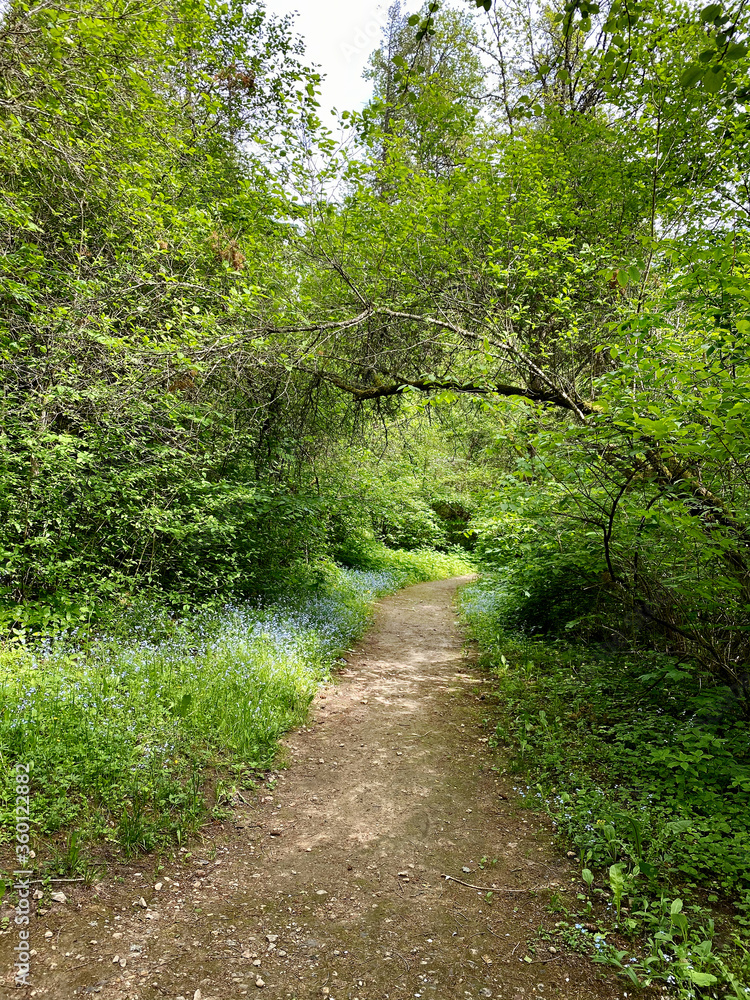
[[738, 50], [182, 707], [713, 80], [710, 12], [701, 978], [691, 75], [676, 907]]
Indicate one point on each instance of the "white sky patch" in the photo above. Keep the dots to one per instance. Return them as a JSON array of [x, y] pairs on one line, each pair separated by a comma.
[[340, 35]]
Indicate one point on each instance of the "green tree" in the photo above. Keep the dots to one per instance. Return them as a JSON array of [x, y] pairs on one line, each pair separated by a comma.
[[427, 88], [533, 271], [139, 231]]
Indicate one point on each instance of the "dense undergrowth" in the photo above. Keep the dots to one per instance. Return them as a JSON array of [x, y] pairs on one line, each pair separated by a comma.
[[127, 732], [644, 768]]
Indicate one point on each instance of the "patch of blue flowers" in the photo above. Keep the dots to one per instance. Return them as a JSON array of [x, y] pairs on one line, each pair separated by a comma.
[[121, 728]]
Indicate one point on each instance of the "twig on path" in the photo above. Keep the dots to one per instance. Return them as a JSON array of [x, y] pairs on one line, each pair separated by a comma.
[[420, 736], [543, 961], [41, 881], [493, 888], [408, 967], [102, 982]]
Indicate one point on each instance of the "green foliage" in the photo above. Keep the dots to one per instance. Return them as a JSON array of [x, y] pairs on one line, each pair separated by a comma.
[[551, 570], [414, 484], [426, 81], [391, 508], [645, 770], [120, 728], [406, 566], [649, 497], [195, 539], [136, 235]]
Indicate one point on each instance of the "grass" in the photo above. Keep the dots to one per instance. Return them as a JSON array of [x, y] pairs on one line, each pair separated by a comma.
[[407, 566], [123, 729], [644, 767]]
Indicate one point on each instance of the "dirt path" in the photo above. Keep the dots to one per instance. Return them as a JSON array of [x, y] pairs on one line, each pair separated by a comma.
[[332, 885]]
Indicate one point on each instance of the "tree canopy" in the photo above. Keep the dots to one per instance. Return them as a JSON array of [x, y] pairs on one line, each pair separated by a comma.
[[539, 220]]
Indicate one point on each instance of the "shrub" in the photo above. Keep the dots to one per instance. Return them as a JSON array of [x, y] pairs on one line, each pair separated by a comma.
[[643, 765]]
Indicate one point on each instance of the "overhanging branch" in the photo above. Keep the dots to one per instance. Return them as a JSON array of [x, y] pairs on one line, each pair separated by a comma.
[[554, 395], [395, 388]]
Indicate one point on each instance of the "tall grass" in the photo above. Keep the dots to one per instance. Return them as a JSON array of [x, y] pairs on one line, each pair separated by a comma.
[[122, 729]]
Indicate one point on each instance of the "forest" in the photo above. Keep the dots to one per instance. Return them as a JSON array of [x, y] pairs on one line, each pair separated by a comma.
[[261, 365]]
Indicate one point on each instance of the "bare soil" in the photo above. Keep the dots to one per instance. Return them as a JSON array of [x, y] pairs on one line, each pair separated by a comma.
[[333, 884]]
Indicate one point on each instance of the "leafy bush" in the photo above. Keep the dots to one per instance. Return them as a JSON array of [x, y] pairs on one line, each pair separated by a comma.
[[118, 531], [643, 766], [372, 503], [408, 523], [552, 595], [552, 572]]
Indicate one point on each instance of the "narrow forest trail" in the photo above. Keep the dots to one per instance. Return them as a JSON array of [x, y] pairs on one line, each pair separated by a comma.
[[333, 885]]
